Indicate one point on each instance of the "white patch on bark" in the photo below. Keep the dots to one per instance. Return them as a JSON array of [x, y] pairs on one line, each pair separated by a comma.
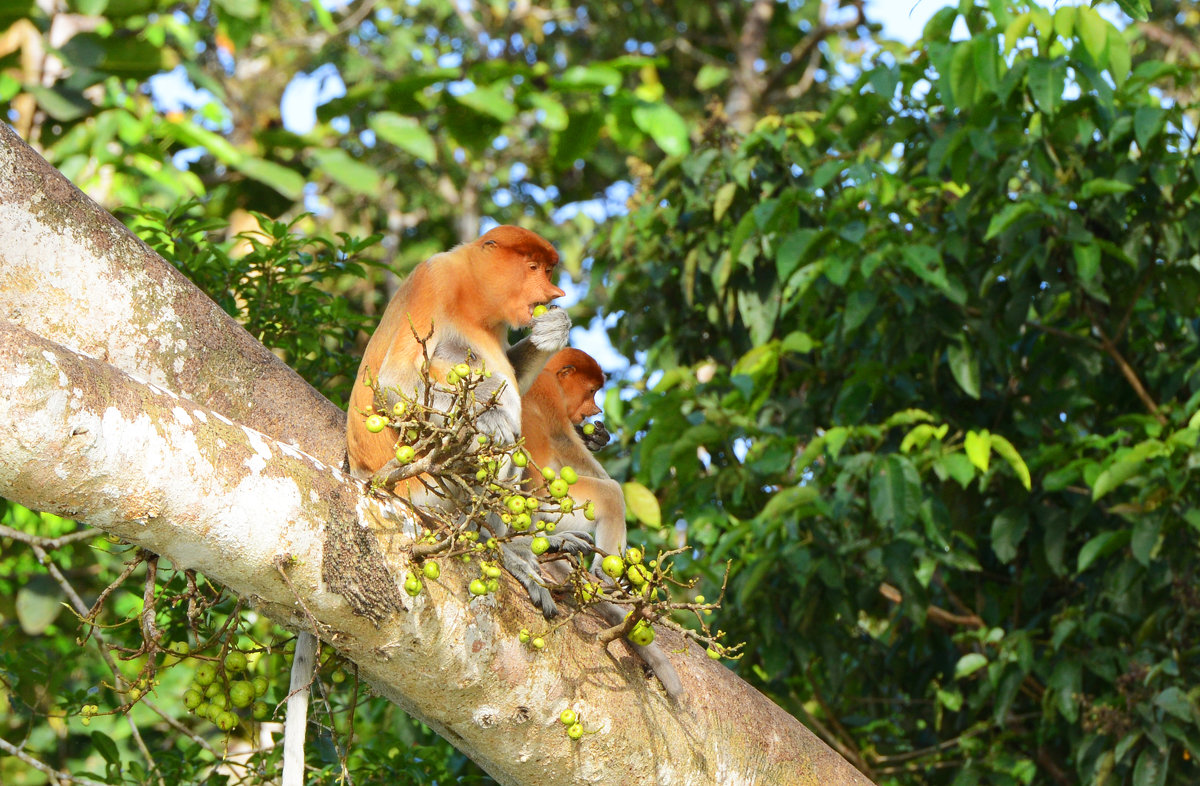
[[182, 416], [262, 453], [199, 415]]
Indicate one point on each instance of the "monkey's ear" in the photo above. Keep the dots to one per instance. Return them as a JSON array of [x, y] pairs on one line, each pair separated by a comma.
[[565, 372]]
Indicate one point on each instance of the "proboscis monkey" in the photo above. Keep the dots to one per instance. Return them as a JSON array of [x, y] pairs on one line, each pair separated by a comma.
[[562, 396], [466, 300]]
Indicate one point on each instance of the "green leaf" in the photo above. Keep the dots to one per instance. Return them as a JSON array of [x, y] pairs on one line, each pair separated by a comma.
[[791, 251], [277, 176], [1151, 768], [1093, 32], [978, 445], [1125, 467], [1102, 186], [1087, 261], [1046, 81], [342, 168], [242, 9], [106, 747], [1138, 9], [1147, 123], [665, 126], [1009, 453], [488, 101], [641, 503], [1101, 546], [955, 466], [1175, 702], [709, 76], [926, 263], [895, 492], [39, 602], [592, 77], [1016, 30], [554, 115], [965, 367], [405, 133], [787, 500], [1007, 217], [969, 664], [1119, 58], [1008, 530], [723, 199]]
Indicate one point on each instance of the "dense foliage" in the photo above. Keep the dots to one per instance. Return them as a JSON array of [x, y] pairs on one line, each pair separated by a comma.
[[924, 365]]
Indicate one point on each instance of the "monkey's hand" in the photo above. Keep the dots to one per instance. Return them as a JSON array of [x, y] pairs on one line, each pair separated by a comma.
[[571, 542], [597, 439], [551, 330]]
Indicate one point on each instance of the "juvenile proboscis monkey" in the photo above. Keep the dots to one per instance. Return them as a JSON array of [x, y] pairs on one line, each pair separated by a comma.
[[562, 396], [466, 300]]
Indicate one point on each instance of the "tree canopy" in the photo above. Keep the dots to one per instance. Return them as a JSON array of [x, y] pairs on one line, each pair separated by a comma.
[[915, 327]]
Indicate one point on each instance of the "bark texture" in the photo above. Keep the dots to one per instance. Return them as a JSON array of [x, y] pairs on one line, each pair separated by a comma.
[[129, 403]]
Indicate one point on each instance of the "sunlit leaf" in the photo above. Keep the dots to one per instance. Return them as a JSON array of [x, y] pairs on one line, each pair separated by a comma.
[[641, 503]]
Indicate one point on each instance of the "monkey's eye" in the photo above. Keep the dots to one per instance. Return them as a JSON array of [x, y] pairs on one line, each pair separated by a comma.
[[489, 243]]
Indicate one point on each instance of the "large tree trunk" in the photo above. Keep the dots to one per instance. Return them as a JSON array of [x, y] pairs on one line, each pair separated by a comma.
[[130, 402]]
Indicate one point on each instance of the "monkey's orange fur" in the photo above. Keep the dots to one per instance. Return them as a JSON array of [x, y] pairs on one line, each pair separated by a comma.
[[470, 295], [561, 396]]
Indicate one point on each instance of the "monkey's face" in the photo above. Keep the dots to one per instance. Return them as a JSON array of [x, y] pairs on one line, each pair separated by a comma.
[[519, 266]]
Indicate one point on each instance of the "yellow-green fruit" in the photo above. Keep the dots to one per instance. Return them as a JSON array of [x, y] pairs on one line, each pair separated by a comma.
[[569, 474], [613, 566], [566, 504], [491, 571], [241, 693], [412, 585], [548, 473], [575, 731], [235, 662], [523, 636], [398, 408], [516, 504], [192, 698], [213, 690], [589, 428], [589, 511], [521, 522], [376, 423], [431, 569], [481, 475], [520, 459], [206, 672], [451, 377], [551, 526], [558, 488], [642, 634], [477, 587], [405, 454], [531, 504], [539, 310], [462, 369], [633, 554], [220, 700], [637, 575], [540, 545], [567, 717], [260, 710], [260, 685], [493, 585], [226, 721], [712, 653], [699, 599], [538, 643]]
